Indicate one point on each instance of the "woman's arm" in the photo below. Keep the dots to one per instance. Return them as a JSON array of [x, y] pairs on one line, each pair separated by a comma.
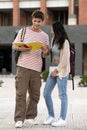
[[64, 56]]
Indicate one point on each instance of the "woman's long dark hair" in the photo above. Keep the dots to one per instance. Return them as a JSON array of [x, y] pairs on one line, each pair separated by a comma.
[[60, 34]]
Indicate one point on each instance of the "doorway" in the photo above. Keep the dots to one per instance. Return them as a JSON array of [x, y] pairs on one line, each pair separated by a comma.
[[5, 59], [85, 59]]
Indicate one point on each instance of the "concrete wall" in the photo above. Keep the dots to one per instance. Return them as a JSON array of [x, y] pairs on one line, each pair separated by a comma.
[[77, 35]]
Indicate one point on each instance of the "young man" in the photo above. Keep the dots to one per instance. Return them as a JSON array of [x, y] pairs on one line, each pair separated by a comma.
[[29, 66]]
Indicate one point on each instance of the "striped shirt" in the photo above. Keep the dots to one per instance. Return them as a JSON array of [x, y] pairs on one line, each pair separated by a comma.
[[32, 60]]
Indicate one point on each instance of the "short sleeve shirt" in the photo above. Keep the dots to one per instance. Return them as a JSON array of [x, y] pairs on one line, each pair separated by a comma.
[[32, 60]]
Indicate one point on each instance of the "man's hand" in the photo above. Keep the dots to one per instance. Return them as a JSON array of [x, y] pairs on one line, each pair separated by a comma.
[[45, 50], [23, 48]]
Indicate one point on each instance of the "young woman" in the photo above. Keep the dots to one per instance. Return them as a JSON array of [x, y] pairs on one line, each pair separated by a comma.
[[29, 67], [61, 61]]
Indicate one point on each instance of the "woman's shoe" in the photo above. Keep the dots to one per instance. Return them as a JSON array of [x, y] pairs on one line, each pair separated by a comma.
[[59, 122], [49, 120]]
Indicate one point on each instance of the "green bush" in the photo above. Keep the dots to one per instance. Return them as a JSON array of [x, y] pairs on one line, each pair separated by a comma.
[[1, 82], [83, 81], [70, 77], [45, 75]]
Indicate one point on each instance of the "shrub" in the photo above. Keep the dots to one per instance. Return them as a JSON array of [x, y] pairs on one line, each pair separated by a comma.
[[45, 75], [1, 82], [83, 81]]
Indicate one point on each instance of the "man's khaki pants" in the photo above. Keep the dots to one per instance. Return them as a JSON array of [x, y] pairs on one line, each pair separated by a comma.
[[27, 81]]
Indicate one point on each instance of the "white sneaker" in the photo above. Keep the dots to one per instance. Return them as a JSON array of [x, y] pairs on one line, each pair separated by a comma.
[[30, 121], [49, 120], [59, 122], [18, 124]]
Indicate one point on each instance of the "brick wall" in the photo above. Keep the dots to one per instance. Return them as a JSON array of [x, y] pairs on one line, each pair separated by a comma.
[[82, 12]]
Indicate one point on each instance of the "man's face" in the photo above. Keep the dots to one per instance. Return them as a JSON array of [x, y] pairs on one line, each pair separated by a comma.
[[36, 22]]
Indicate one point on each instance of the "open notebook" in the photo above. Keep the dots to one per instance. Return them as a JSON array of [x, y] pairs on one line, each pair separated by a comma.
[[34, 45]]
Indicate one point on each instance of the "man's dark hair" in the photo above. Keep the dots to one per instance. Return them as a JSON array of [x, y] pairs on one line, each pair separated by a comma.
[[38, 14]]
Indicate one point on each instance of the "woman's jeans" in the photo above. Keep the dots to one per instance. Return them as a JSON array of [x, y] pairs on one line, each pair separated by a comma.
[[62, 89]]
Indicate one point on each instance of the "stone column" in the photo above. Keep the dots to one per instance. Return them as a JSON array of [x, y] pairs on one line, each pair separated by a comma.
[[78, 59], [16, 13], [0, 19], [72, 16], [44, 10]]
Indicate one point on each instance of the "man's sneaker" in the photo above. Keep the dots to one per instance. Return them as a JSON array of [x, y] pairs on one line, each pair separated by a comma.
[[30, 121], [18, 124], [49, 120], [59, 122]]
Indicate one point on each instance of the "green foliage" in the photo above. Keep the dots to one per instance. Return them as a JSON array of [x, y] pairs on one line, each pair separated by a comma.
[[83, 81], [45, 75], [1, 82], [70, 77]]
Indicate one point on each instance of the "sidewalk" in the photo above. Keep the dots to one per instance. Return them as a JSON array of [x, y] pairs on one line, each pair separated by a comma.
[[77, 109]]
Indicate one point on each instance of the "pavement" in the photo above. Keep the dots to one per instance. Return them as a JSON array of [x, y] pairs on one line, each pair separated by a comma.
[[77, 108]]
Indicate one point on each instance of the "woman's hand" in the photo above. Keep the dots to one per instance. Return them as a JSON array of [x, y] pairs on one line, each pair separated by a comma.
[[54, 73]]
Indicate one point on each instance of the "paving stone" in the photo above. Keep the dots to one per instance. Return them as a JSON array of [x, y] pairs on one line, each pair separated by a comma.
[[77, 109]]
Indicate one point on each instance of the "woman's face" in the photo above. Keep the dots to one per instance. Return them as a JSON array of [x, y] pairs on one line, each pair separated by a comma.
[[36, 23]]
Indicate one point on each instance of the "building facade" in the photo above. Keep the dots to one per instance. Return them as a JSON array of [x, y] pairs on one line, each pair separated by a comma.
[[17, 13]]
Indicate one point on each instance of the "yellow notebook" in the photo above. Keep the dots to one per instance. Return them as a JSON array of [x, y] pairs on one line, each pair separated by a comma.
[[34, 45]]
